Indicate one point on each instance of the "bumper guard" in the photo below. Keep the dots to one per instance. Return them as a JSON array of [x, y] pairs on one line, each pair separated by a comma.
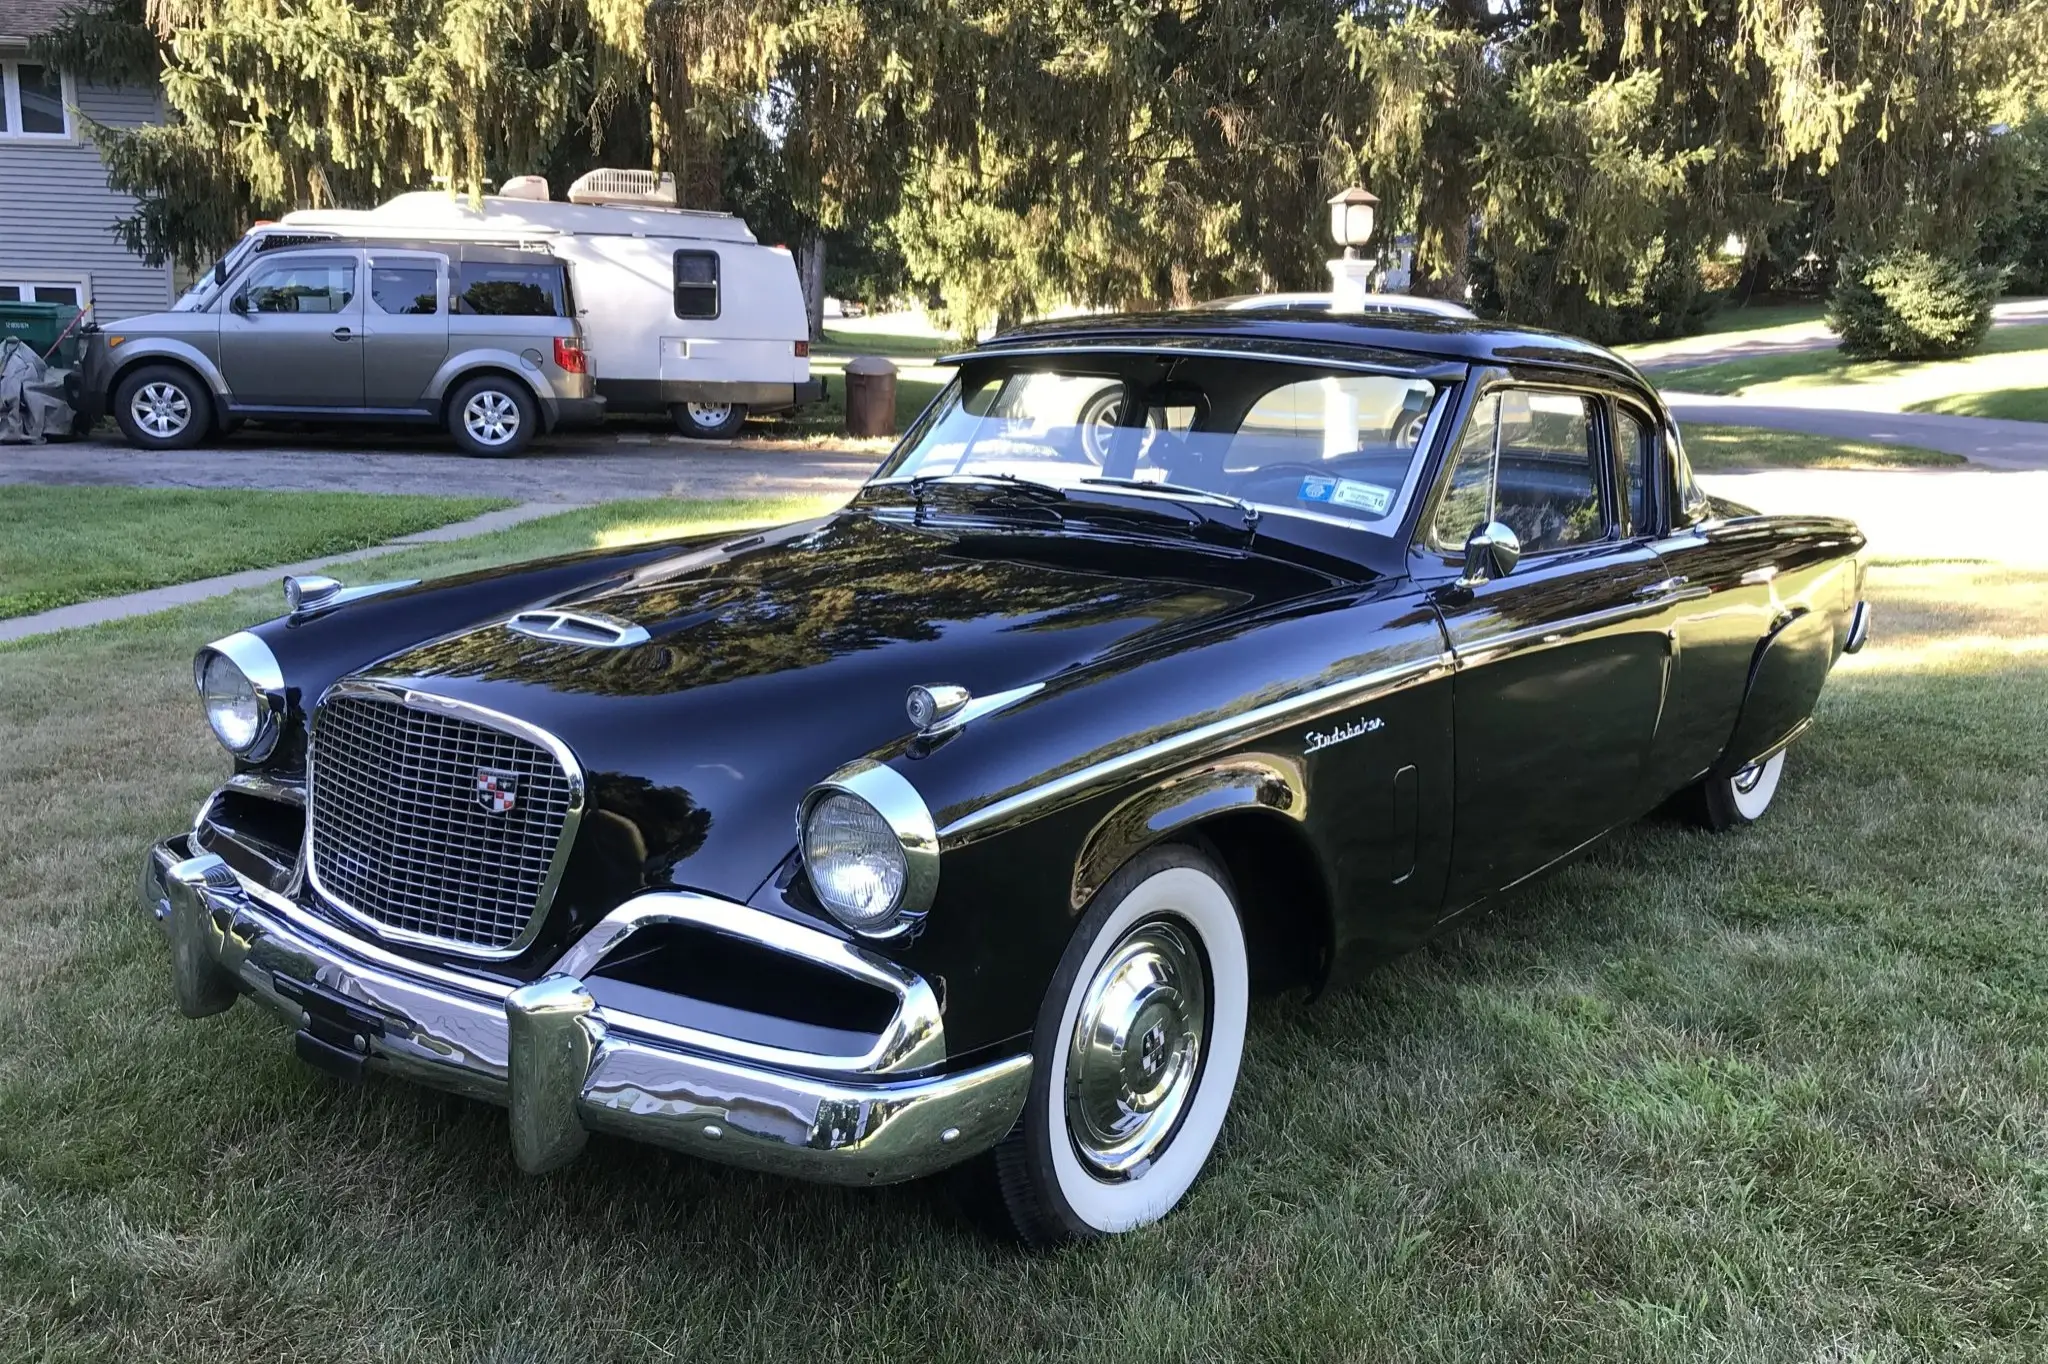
[[562, 1064]]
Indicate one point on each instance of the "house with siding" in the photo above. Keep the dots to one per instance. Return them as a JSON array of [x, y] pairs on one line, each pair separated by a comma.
[[56, 212]]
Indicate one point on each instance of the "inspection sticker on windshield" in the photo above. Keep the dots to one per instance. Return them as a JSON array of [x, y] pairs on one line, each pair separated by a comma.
[[1347, 492]]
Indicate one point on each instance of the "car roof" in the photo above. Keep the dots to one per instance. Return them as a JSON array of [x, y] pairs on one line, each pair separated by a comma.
[[485, 253], [1405, 303], [1385, 335]]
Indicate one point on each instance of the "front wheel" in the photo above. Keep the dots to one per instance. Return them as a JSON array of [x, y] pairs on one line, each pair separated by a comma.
[[709, 421], [1135, 1056], [1731, 800], [163, 407]]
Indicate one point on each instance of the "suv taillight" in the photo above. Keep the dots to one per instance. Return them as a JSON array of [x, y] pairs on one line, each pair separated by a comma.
[[569, 355]]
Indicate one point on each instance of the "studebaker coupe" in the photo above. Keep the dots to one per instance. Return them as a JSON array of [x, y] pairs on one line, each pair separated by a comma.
[[1166, 658]]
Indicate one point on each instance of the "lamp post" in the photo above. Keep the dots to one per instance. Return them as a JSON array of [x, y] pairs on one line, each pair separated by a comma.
[[1351, 223]]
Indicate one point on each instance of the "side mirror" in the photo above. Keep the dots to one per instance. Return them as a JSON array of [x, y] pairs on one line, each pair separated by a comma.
[[220, 272], [240, 304], [1492, 552]]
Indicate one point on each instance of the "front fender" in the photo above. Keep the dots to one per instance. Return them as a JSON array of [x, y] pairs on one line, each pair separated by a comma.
[[1245, 781], [143, 349]]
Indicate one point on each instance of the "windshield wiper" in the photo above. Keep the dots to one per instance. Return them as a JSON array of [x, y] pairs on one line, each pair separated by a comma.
[[1043, 492], [1179, 492]]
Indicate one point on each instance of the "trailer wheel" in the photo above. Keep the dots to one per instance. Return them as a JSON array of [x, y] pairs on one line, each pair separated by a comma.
[[709, 421]]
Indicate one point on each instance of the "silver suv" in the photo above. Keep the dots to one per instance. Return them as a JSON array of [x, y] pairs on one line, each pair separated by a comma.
[[480, 339]]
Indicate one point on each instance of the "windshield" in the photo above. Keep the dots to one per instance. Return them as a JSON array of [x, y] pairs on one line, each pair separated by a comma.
[[1334, 445]]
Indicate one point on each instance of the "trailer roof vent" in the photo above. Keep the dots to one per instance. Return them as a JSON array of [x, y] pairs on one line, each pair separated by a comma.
[[639, 188], [525, 187]]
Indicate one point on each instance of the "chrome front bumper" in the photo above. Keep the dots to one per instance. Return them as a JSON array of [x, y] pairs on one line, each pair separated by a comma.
[[562, 1064]]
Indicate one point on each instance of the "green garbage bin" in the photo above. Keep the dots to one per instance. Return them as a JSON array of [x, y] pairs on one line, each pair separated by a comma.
[[39, 325]]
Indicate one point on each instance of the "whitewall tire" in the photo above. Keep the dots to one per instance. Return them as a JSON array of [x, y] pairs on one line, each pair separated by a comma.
[[1731, 800], [1135, 1055]]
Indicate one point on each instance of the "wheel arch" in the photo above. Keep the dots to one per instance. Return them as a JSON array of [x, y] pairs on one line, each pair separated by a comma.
[[489, 364], [1247, 811], [162, 352]]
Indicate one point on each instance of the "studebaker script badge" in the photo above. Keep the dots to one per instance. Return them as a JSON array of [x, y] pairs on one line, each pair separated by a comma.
[[497, 791], [1364, 724]]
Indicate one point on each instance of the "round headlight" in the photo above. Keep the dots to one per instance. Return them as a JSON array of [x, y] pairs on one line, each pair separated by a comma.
[[233, 708], [856, 861]]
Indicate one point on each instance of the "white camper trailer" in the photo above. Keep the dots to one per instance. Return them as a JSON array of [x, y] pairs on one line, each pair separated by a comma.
[[682, 310]]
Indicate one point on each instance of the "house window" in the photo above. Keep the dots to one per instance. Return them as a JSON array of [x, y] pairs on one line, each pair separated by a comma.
[[35, 102], [28, 291]]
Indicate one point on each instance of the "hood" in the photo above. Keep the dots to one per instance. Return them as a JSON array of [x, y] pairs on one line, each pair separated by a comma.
[[771, 661]]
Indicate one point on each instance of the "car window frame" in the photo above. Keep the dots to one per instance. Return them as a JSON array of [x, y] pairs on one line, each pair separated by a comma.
[[403, 259], [1662, 470], [1485, 386], [238, 286]]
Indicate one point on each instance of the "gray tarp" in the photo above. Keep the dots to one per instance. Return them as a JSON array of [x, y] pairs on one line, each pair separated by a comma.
[[32, 403]]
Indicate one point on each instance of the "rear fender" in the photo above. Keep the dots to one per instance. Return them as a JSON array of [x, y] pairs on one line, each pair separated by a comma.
[[1784, 685]]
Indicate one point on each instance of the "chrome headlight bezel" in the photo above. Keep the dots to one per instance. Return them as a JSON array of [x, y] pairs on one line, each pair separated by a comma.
[[249, 656], [891, 796]]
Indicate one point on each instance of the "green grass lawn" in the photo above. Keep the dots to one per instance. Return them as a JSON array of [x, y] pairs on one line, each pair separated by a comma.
[[1714, 448], [65, 545], [2011, 358], [1774, 1095]]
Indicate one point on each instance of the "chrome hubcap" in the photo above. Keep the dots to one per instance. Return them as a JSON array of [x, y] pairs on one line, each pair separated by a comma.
[[1748, 777], [710, 414], [491, 417], [161, 409], [1136, 1050]]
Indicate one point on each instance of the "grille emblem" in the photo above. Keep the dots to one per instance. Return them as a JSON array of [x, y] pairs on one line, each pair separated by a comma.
[[497, 790]]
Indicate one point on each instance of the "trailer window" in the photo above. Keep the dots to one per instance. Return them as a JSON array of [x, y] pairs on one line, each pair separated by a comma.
[[509, 289], [696, 284]]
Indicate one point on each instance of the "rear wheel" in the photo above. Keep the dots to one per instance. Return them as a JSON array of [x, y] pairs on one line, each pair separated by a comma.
[[1135, 1056], [1733, 799], [492, 417], [709, 421], [163, 407]]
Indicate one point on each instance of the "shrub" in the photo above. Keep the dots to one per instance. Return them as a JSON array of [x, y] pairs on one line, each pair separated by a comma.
[[1909, 305]]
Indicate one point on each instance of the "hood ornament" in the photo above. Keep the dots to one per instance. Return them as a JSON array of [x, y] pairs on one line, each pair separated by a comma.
[[937, 709]]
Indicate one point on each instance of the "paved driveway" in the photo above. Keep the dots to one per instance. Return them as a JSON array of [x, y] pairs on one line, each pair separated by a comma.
[[594, 468]]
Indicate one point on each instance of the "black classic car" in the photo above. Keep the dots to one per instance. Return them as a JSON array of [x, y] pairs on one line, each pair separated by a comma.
[[1165, 660]]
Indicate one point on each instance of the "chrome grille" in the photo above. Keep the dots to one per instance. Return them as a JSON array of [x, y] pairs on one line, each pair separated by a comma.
[[404, 833]]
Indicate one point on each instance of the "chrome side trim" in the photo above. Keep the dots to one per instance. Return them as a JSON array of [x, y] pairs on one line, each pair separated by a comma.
[[914, 1039], [898, 802], [1420, 367], [338, 595], [979, 707], [1269, 716], [385, 690], [1557, 631]]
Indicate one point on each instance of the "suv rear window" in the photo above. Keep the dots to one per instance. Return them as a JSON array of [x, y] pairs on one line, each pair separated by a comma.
[[499, 289]]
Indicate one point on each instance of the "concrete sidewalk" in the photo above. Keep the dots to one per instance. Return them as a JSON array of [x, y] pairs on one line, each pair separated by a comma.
[[105, 609]]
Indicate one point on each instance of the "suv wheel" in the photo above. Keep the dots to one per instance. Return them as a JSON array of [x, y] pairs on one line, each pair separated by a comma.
[[163, 407], [709, 421], [492, 417]]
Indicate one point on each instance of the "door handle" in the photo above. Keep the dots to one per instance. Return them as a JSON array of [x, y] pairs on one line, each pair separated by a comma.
[[1664, 589], [342, 334]]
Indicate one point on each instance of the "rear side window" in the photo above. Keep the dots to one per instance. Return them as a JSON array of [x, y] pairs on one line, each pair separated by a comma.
[[401, 289], [696, 284], [495, 289]]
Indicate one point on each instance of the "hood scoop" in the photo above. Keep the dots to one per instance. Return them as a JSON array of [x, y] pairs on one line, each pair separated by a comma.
[[586, 629]]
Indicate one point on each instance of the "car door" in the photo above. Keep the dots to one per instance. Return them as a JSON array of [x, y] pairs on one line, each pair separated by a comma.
[[405, 328], [291, 332], [1720, 605], [1560, 662]]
